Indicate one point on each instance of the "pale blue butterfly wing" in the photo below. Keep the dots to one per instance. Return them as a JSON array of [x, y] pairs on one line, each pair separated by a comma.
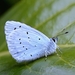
[[26, 43], [13, 25]]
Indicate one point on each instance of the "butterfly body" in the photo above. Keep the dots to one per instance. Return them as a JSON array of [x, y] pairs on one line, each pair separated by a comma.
[[26, 43]]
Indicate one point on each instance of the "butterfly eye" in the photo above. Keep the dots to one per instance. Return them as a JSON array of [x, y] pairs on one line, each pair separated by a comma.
[[53, 39]]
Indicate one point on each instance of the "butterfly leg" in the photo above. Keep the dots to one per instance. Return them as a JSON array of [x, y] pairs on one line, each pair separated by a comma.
[[45, 55]]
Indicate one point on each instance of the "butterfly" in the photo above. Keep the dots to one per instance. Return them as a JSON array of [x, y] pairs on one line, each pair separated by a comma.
[[26, 43]]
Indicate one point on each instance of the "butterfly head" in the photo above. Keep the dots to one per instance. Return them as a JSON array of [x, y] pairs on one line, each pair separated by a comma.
[[55, 39]]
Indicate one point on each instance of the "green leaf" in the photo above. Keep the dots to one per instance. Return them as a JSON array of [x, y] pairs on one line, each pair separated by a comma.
[[50, 17]]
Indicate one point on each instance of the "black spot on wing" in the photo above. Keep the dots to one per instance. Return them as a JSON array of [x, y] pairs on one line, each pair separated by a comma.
[[15, 28], [26, 48], [16, 53], [28, 37], [37, 54], [19, 26], [23, 46], [20, 42], [31, 55], [39, 38], [27, 32], [19, 38], [35, 45]]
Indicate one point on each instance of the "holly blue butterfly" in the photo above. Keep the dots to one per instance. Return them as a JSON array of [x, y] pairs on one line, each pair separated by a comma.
[[26, 43]]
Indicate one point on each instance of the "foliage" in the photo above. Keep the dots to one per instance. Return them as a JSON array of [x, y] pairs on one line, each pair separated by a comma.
[[49, 17]]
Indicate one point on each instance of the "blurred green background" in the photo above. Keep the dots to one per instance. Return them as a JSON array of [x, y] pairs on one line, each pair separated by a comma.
[[50, 17]]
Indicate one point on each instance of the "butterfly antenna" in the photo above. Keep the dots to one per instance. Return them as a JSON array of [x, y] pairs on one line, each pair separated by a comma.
[[62, 34]]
